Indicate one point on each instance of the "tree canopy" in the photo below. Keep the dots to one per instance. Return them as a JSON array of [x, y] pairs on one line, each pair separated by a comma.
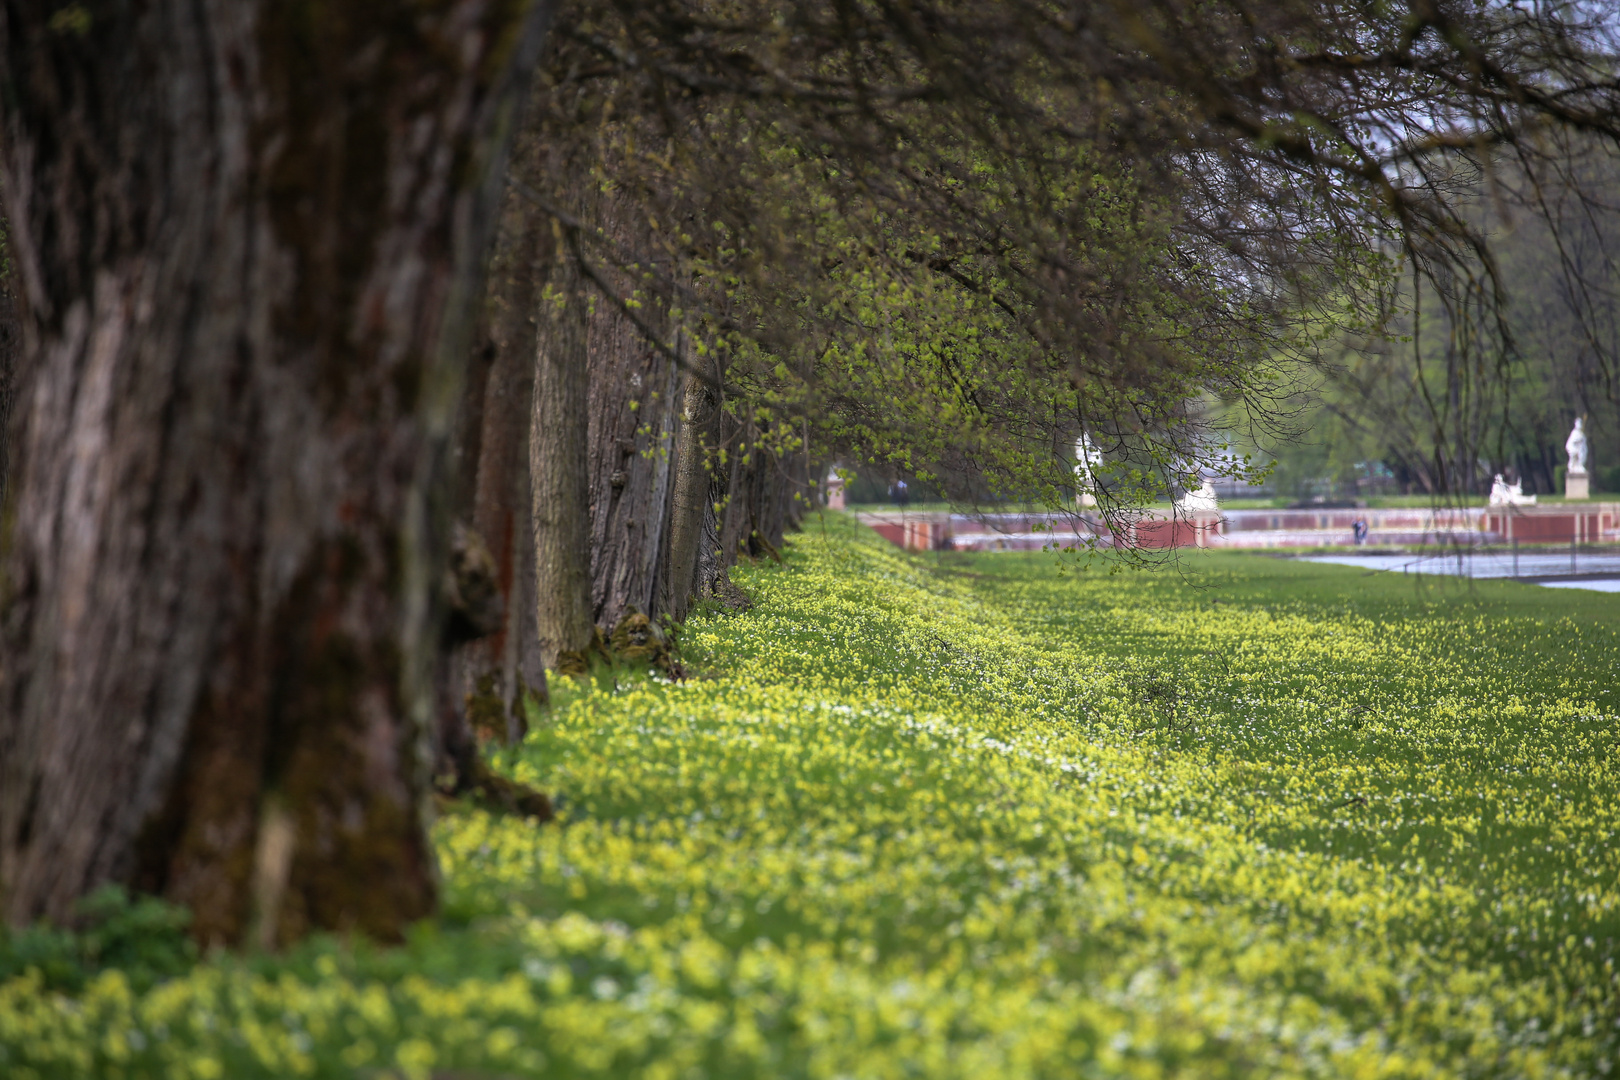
[[949, 237]]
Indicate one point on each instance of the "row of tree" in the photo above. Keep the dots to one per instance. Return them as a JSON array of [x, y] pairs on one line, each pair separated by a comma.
[[377, 359]]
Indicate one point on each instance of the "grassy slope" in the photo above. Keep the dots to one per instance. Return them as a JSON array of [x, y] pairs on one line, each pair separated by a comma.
[[961, 816]]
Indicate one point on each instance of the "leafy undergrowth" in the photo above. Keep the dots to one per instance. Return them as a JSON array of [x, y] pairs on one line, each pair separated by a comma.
[[961, 816]]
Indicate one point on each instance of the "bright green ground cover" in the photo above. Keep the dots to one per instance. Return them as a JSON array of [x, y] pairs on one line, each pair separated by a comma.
[[962, 817]]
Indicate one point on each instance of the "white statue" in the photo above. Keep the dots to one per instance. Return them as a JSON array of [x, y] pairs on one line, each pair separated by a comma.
[[1086, 457], [1506, 494], [1575, 447], [1202, 499]]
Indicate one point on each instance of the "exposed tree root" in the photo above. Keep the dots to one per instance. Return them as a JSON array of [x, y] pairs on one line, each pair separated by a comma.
[[476, 780], [636, 642]]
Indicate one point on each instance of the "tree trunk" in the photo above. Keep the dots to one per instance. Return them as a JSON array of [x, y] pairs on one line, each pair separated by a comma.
[[723, 513], [248, 234], [758, 501], [11, 352], [736, 522], [690, 505], [502, 509], [633, 391], [800, 494], [633, 387], [493, 677], [558, 465]]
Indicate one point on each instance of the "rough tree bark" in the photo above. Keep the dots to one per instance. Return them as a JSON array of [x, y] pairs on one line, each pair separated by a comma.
[[800, 493], [787, 493], [493, 677], [724, 515], [630, 449], [751, 504], [737, 521], [247, 234], [691, 503], [503, 493], [633, 388], [558, 466], [11, 347]]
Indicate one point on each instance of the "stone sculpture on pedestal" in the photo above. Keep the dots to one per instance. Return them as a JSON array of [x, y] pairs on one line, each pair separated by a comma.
[[1577, 483], [1506, 494], [835, 491], [1202, 500], [1086, 457]]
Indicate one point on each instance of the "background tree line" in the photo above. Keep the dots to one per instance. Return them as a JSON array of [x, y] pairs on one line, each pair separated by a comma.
[[375, 361], [1437, 404]]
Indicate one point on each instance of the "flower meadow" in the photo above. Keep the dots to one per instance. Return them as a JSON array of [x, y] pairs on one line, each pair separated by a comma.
[[991, 816]]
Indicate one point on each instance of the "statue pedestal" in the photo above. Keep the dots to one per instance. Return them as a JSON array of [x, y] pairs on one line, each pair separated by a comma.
[[1577, 486]]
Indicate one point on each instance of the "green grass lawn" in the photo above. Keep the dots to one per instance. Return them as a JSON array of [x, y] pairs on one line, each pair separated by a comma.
[[993, 816], [1375, 502]]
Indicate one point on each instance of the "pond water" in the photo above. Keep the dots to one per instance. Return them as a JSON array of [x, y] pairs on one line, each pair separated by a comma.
[[1583, 570]]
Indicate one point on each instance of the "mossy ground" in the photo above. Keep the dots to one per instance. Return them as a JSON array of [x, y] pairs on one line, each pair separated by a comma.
[[968, 816]]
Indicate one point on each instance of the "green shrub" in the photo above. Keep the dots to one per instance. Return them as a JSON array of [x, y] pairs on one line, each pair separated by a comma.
[[142, 936]]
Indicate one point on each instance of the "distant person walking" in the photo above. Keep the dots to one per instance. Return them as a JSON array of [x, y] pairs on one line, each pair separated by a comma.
[[1359, 528], [898, 492]]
